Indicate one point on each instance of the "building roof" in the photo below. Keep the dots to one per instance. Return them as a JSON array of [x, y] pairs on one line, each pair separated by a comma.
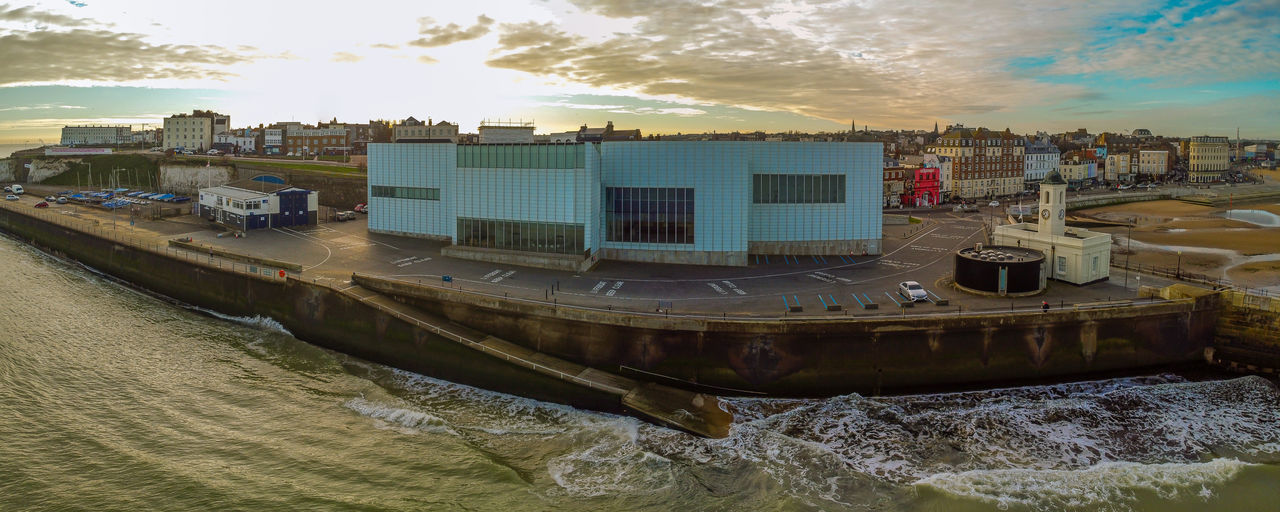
[[234, 193], [1053, 178]]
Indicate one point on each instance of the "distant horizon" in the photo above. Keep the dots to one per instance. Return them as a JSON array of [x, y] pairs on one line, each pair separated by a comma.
[[1174, 67]]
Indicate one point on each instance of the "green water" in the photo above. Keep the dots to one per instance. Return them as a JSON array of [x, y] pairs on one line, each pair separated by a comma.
[[111, 399]]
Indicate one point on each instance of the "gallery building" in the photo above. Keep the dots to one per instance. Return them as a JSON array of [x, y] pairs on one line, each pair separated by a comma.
[[570, 205]]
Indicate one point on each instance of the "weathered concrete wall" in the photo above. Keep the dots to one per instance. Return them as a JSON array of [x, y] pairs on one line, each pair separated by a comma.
[[827, 357], [6, 169], [189, 179], [336, 190], [1248, 332], [311, 312]]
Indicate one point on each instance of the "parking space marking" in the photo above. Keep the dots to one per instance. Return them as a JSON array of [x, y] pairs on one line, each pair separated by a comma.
[[949, 237], [822, 278], [898, 264], [404, 262], [490, 275], [734, 287], [504, 275], [930, 249]]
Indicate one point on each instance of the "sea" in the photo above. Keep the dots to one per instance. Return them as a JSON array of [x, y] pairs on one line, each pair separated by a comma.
[[7, 150], [115, 399]]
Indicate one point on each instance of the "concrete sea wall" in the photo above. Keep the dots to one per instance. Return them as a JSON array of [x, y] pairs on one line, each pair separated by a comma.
[[822, 357]]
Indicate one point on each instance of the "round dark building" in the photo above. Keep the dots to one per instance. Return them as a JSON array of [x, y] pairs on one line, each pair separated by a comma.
[[1000, 270]]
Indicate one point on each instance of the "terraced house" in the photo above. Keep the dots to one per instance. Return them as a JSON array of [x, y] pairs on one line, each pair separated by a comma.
[[984, 163]]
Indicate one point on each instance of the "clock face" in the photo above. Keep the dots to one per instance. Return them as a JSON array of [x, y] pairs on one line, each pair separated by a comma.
[[1044, 213], [1062, 214]]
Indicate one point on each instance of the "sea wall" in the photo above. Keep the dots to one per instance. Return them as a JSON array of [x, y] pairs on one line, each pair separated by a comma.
[[823, 357], [189, 179], [312, 312], [1248, 335]]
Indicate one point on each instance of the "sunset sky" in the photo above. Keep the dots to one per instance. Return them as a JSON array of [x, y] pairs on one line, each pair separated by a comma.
[[664, 66]]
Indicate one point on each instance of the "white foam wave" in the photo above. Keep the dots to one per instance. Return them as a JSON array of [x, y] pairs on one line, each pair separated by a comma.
[[1110, 485], [402, 419], [265, 323], [612, 465]]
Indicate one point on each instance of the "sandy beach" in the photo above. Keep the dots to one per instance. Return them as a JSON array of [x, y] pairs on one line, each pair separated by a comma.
[[1210, 243]]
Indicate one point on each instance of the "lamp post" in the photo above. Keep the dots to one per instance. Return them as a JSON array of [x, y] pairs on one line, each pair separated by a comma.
[[1128, 250], [1179, 265]]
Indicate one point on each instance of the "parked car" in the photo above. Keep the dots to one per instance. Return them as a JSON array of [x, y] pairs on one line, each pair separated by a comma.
[[50, 198], [213, 152], [994, 204], [912, 291], [8, 189], [62, 200], [42, 204], [11, 197], [188, 152], [346, 215], [157, 150], [362, 208]]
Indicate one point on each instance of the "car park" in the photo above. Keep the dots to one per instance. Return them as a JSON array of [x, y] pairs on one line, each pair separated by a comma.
[[912, 291]]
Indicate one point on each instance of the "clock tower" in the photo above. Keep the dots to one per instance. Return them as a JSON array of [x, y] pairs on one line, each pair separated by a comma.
[[1053, 204]]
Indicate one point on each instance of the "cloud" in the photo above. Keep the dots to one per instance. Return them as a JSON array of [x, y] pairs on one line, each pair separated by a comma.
[[106, 56], [30, 14], [41, 107], [451, 33], [346, 57], [427, 59], [385, 46]]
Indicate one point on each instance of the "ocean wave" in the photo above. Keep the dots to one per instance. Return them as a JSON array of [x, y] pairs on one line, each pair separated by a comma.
[[265, 323], [1107, 486], [402, 419]]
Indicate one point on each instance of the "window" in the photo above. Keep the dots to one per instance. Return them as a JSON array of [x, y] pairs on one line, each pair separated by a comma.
[[800, 188], [649, 215], [1095, 265], [512, 235], [1062, 264], [425, 194]]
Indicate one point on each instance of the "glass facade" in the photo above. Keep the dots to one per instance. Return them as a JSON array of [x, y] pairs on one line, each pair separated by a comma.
[[797, 188], [649, 215], [546, 237], [427, 194]]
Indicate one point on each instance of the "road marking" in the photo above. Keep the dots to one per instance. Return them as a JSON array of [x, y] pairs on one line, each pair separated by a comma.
[[949, 237], [734, 287], [930, 249], [898, 264], [821, 278], [504, 275], [717, 288], [486, 277], [401, 260], [616, 285], [599, 286]]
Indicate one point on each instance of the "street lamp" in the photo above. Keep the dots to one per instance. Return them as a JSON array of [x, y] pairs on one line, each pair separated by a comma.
[[1179, 265], [1128, 250]]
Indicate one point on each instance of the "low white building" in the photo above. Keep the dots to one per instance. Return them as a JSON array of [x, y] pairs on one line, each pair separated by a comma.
[[1073, 255], [231, 142], [249, 204], [73, 135]]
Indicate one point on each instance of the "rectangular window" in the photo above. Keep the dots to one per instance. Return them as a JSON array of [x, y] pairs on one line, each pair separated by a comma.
[[425, 194], [649, 215], [798, 188], [1062, 264], [511, 235]]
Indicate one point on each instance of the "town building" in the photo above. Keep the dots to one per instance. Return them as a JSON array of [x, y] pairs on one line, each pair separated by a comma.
[[1153, 162], [1118, 168], [1077, 168], [925, 189], [312, 141], [273, 141], [506, 132], [1039, 157], [569, 205], [195, 131], [1073, 255], [985, 163], [234, 143], [943, 164], [1207, 158], [413, 130], [96, 135], [895, 185], [145, 137], [254, 204]]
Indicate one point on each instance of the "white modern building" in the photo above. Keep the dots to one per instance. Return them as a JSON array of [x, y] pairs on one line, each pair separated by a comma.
[[250, 204], [1073, 255], [89, 135], [273, 141], [1208, 158], [231, 142], [569, 205]]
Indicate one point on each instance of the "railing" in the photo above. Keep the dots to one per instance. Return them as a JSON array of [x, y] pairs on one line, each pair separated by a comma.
[[1177, 273], [68, 220]]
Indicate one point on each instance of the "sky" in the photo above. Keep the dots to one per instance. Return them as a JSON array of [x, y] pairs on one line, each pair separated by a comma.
[[663, 66]]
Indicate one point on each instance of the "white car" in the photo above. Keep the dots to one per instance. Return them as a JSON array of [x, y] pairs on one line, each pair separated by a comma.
[[994, 204], [213, 152], [912, 291], [11, 197]]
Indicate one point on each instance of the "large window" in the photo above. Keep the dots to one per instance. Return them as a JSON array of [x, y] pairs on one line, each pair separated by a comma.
[[427, 194], [797, 188], [514, 235], [649, 215]]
